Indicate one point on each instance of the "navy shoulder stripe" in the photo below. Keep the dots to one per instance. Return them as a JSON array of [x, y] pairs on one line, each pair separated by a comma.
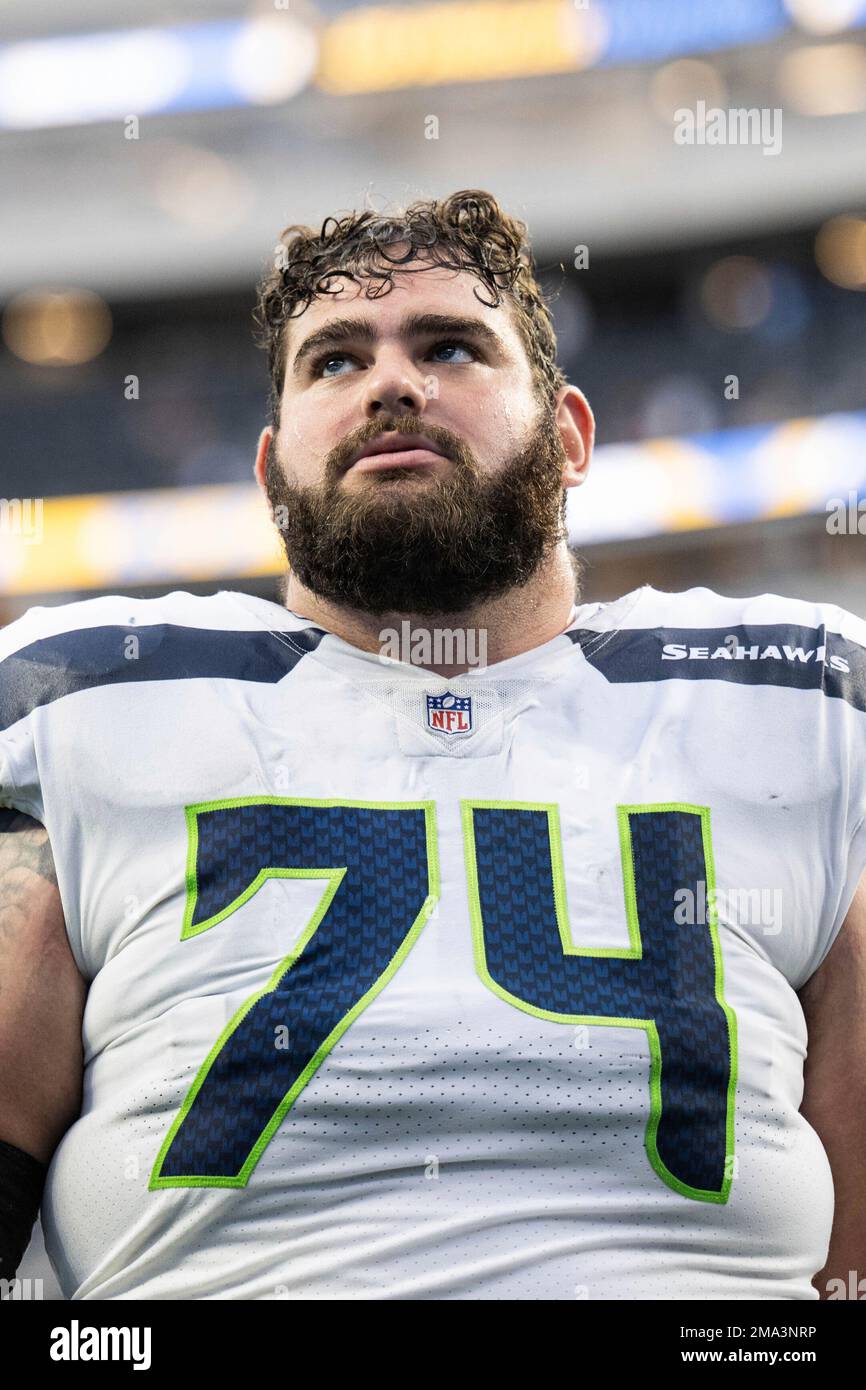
[[84, 658], [783, 654]]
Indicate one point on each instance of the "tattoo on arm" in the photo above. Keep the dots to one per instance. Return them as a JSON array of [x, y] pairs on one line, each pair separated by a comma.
[[24, 845], [25, 858], [42, 995]]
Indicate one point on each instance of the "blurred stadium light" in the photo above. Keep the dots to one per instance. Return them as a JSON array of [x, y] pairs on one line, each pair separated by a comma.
[[154, 161], [186, 67], [575, 130], [366, 48]]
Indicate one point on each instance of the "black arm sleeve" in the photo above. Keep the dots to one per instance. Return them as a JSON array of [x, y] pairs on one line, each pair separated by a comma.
[[22, 1180]]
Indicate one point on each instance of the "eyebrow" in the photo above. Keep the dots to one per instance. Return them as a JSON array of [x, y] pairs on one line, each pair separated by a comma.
[[361, 330]]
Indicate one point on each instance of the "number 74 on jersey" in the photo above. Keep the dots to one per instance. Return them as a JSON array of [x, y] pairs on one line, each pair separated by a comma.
[[380, 863]]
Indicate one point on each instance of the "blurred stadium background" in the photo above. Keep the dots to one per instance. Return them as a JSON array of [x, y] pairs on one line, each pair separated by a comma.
[[709, 299]]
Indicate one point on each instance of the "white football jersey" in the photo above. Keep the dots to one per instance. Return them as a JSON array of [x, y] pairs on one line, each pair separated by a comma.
[[413, 988]]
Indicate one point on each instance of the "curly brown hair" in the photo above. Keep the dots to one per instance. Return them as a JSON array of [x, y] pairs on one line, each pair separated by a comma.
[[467, 231]]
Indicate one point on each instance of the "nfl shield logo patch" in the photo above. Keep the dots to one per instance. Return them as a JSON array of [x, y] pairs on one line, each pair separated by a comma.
[[449, 714]]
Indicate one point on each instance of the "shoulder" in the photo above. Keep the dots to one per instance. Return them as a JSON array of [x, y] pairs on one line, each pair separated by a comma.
[[757, 640], [63, 621], [703, 608], [114, 640], [71, 628]]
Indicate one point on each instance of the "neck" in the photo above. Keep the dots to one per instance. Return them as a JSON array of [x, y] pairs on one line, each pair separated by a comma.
[[483, 634]]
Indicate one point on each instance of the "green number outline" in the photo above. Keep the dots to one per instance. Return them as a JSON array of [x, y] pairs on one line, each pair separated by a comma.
[[633, 952], [335, 877]]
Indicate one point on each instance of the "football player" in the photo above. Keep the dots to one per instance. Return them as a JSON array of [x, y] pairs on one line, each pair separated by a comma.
[[432, 933]]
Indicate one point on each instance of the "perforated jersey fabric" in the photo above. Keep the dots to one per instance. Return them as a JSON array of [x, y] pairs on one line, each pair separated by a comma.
[[383, 1009]]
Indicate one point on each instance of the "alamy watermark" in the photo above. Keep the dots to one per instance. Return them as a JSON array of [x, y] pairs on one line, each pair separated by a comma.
[[854, 1288], [20, 1290], [22, 516], [755, 907], [739, 126], [847, 517], [77, 1343], [432, 647]]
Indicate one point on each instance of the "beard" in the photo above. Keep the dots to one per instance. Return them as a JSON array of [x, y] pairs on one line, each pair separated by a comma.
[[397, 544]]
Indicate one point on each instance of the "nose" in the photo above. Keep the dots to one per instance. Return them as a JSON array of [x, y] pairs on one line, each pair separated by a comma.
[[394, 388]]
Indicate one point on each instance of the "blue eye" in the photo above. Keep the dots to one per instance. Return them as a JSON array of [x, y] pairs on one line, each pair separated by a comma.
[[332, 357], [462, 347], [448, 345]]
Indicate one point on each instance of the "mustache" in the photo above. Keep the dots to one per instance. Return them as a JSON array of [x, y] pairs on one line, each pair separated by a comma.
[[340, 458]]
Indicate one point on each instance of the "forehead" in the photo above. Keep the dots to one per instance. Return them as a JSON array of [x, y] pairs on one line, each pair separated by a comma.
[[419, 287]]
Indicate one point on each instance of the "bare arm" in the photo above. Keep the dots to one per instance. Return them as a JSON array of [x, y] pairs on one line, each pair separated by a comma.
[[834, 1097], [41, 995]]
